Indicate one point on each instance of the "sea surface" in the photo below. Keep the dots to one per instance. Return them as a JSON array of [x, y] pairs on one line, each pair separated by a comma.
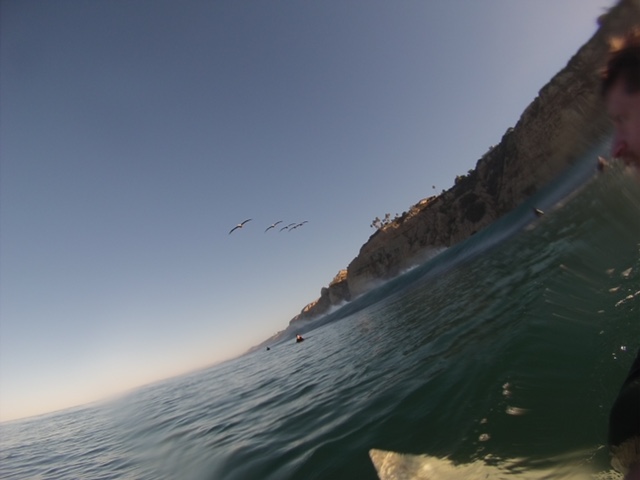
[[504, 352]]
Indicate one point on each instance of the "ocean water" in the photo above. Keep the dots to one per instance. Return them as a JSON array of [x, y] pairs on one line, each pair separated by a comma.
[[504, 352]]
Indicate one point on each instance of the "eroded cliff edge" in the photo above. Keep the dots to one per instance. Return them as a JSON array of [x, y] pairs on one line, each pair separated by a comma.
[[559, 126]]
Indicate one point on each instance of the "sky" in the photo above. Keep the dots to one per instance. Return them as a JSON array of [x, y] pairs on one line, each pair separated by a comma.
[[135, 135]]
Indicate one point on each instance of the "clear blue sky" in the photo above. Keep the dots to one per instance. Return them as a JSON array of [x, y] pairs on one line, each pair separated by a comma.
[[136, 134]]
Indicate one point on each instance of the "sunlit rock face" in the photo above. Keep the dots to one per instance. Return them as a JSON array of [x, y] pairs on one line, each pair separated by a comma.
[[335, 294], [559, 126], [339, 289]]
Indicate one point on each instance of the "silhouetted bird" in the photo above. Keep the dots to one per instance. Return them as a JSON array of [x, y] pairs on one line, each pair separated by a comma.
[[272, 226], [291, 224], [240, 225], [298, 225]]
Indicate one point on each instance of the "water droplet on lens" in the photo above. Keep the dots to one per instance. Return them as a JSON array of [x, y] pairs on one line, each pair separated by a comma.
[[516, 411]]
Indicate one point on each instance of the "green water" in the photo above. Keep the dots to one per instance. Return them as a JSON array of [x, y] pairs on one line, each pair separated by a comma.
[[504, 352]]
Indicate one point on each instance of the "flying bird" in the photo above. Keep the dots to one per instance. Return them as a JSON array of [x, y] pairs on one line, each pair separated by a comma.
[[291, 224], [240, 225], [273, 226], [298, 225]]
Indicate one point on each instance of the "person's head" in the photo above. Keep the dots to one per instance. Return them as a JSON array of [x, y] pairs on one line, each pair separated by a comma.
[[620, 90]]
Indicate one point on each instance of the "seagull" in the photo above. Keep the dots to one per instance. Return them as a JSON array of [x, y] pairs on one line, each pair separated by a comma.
[[284, 228], [240, 225], [298, 225], [272, 226]]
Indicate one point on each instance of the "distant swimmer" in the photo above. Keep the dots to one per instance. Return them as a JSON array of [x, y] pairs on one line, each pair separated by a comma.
[[240, 225], [273, 226], [299, 339], [268, 348], [603, 163], [538, 212]]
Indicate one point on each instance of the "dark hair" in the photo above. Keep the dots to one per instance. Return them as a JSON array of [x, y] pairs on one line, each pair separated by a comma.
[[623, 63]]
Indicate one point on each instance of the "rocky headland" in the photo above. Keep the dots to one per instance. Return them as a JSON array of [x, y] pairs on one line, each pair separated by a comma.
[[561, 124]]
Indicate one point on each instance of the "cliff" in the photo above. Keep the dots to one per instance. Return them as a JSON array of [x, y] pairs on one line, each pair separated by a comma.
[[560, 125], [335, 294]]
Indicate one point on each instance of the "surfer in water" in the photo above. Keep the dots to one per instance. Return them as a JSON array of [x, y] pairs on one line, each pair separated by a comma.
[[299, 338], [621, 94]]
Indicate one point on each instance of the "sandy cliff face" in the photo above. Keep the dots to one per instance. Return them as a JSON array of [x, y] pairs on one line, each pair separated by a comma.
[[565, 119], [335, 294]]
